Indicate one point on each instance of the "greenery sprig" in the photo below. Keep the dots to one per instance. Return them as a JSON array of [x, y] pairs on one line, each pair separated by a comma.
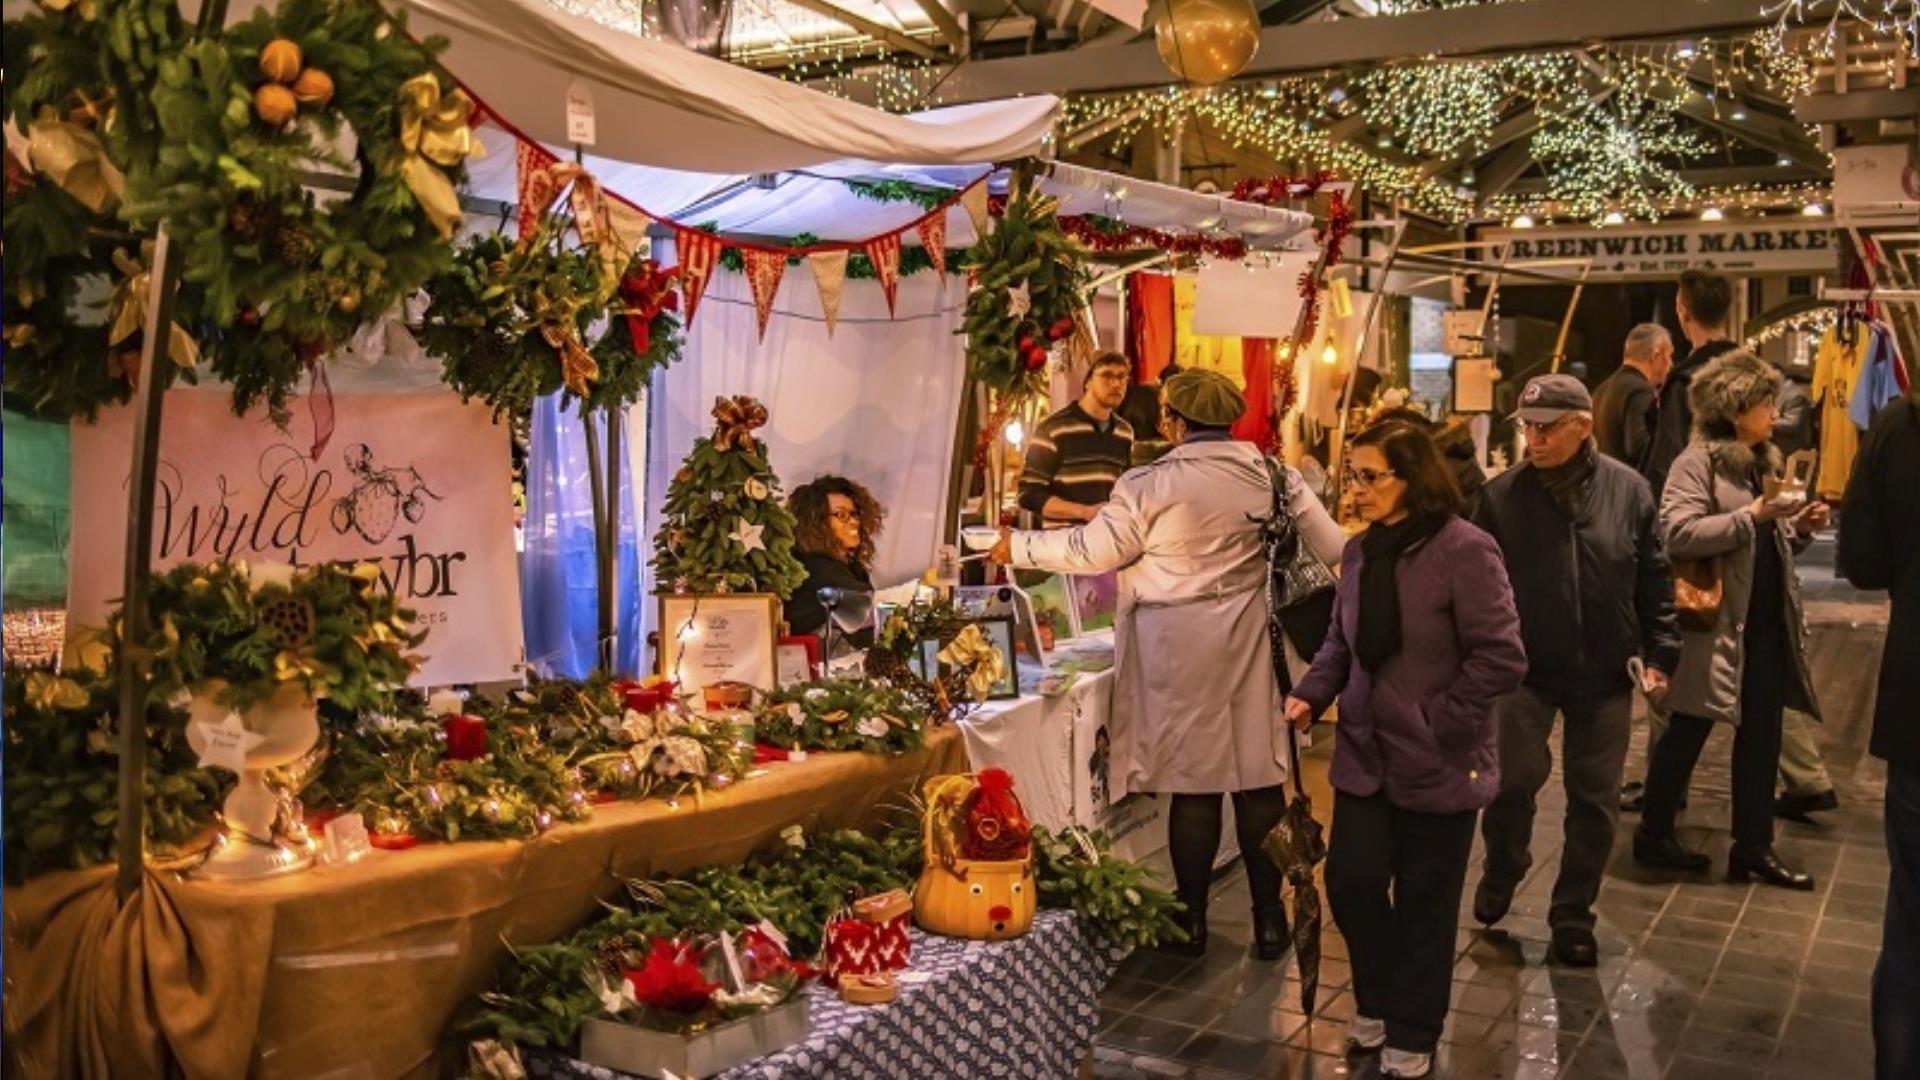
[[870, 715]]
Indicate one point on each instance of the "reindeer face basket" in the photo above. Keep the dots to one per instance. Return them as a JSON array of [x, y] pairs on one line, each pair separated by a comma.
[[978, 882]]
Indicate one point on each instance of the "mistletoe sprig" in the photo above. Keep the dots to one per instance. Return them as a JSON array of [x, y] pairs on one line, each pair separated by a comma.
[[1031, 274], [62, 806], [140, 122], [869, 715], [240, 633]]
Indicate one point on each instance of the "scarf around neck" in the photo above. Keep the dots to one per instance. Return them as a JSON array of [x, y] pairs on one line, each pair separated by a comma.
[[1378, 639], [1571, 484]]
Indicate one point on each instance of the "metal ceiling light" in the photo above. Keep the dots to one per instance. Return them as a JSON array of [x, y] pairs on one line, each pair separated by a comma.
[[699, 25], [1205, 41]]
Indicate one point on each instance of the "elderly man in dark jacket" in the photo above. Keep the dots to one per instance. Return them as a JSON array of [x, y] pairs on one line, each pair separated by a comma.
[[1580, 535], [1880, 549]]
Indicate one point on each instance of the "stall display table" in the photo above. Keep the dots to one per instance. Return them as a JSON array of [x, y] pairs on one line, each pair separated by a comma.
[[1021, 1008], [357, 970]]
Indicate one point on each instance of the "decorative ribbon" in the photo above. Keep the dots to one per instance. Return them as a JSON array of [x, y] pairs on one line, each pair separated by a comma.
[[47, 692], [645, 292], [73, 158], [735, 418], [436, 134], [129, 307], [971, 649], [555, 316]]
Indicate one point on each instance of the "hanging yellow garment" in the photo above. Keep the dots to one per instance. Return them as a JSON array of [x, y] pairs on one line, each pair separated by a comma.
[[1836, 372], [1206, 351]]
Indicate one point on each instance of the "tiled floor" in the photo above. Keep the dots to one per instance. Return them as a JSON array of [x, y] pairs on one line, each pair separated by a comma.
[[1697, 979]]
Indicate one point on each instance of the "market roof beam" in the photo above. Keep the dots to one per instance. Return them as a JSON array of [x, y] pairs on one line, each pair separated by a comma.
[[1781, 137], [1903, 104], [872, 29], [948, 25], [1528, 25]]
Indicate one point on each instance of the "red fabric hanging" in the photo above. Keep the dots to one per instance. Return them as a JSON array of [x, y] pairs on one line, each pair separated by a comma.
[[1256, 424], [1150, 324]]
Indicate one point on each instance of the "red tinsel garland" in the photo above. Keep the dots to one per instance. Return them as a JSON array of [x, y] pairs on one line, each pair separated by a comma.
[[1330, 235], [1099, 235]]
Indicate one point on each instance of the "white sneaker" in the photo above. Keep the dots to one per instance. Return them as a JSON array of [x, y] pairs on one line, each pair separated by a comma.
[[1403, 1065], [1366, 1033]]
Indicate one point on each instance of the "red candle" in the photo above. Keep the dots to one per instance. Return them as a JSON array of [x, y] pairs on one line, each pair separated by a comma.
[[466, 737]]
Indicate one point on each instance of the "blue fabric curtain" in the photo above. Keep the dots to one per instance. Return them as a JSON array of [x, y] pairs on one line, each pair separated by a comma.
[[557, 580]]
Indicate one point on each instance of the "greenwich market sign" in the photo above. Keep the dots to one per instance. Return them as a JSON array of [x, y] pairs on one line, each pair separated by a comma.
[[1796, 246]]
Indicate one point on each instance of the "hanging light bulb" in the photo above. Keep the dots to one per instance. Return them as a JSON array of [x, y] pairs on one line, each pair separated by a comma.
[[1712, 213], [1524, 221], [1329, 355], [1812, 209], [1613, 217], [1016, 433]]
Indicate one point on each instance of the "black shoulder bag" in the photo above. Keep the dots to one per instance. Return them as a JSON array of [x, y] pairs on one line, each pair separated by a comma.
[[1299, 586]]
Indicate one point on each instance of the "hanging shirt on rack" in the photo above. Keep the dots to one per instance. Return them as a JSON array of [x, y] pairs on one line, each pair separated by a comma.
[[1836, 372], [1879, 384]]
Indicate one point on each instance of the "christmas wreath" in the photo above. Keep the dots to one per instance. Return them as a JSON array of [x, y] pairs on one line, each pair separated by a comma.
[[509, 321], [1028, 297], [870, 715], [240, 633], [139, 121]]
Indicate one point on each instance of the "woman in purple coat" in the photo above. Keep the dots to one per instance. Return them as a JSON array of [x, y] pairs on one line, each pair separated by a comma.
[[1424, 639]]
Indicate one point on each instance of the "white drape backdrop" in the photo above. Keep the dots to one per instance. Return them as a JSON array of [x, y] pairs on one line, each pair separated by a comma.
[[876, 403]]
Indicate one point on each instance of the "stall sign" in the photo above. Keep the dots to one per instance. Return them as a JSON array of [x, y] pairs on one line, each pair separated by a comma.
[[1799, 245], [416, 483]]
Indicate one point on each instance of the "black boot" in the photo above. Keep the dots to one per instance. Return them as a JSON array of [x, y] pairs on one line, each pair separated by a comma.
[[1801, 808], [1665, 853], [1194, 921], [1765, 866], [1270, 936]]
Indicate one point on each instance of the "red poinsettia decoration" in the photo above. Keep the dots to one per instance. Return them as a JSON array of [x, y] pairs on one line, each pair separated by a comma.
[[671, 980], [466, 738], [645, 291]]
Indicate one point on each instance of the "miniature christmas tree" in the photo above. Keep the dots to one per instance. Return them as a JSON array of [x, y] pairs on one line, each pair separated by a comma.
[[727, 528]]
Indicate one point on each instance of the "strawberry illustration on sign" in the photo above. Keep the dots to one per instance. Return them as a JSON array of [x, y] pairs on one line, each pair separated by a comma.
[[379, 497]]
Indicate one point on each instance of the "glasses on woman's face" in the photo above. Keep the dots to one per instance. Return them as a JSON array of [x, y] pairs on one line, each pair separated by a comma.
[[845, 517], [1368, 478]]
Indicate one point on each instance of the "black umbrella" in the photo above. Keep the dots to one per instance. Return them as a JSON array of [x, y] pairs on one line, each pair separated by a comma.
[[1297, 845]]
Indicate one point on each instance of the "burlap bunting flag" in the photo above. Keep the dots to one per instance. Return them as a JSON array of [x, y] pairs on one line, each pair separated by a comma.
[[975, 202], [699, 253], [830, 274], [531, 188], [885, 253], [629, 224], [764, 269], [933, 237]]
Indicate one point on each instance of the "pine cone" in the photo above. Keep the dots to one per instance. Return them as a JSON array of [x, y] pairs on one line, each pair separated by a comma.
[[247, 219], [293, 243]]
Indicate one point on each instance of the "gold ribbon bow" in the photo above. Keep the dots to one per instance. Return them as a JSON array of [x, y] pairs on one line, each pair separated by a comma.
[[736, 417], [495, 1060], [972, 649], [73, 158], [578, 368], [47, 692], [436, 135], [129, 307]]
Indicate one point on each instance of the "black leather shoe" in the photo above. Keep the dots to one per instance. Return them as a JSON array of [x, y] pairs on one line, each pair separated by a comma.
[[1633, 797], [1574, 946], [1490, 903], [1765, 866], [1800, 808], [1270, 938], [1194, 921], [1665, 853]]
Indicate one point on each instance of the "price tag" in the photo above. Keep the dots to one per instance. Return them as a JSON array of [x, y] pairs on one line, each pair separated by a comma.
[[579, 113]]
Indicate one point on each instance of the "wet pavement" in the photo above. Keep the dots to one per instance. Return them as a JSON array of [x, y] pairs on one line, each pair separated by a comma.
[[1697, 978]]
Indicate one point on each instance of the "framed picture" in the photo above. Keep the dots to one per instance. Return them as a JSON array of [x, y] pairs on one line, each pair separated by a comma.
[[797, 659], [1095, 598], [999, 630], [707, 638], [1053, 605]]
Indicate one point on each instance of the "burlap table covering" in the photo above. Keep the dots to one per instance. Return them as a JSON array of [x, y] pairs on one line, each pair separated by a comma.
[[355, 971]]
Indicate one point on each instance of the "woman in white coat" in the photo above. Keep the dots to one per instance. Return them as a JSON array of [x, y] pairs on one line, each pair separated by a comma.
[[1196, 712]]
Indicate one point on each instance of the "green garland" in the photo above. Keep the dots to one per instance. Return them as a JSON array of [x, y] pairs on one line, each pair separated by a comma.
[[272, 276], [1028, 256], [869, 715], [913, 260], [62, 753], [899, 191], [221, 628]]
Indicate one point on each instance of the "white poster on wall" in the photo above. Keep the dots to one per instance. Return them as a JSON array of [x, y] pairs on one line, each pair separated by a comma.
[[1252, 299], [417, 483]]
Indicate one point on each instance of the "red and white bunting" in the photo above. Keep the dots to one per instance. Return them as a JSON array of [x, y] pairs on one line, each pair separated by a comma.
[[698, 252], [764, 269], [885, 253], [830, 274], [933, 237], [533, 184]]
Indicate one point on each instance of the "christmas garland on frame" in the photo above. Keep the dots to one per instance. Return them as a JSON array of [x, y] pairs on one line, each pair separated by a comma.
[[142, 122], [1030, 277]]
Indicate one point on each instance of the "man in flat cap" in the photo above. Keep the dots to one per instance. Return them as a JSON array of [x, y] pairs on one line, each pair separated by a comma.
[[1196, 712], [1581, 538]]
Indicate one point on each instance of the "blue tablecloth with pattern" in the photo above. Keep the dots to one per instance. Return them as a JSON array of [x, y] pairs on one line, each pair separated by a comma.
[[1020, 1010]]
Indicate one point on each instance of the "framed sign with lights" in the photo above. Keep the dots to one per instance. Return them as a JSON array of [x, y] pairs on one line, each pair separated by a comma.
[[706, 638]]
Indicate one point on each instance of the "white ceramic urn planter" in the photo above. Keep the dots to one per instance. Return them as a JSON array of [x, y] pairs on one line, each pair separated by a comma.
[[248, 846]]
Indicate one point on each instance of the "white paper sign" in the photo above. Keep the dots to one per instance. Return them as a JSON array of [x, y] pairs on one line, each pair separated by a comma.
[[579, 113], [1251, 299], [225, 745], [1875, 176], [418, 483]]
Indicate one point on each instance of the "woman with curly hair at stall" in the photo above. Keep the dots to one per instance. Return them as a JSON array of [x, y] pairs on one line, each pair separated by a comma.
[[836, 522]]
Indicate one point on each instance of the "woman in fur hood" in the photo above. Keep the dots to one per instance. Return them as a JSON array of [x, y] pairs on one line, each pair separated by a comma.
[[1748, 663]]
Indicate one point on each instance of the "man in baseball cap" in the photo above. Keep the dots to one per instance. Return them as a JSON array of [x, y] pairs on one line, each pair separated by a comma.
[[1580, 535]]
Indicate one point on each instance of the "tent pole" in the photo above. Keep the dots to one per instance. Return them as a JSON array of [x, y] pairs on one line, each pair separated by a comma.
[[163, 276], [610, 551], [1336, 468], [597, 491]]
